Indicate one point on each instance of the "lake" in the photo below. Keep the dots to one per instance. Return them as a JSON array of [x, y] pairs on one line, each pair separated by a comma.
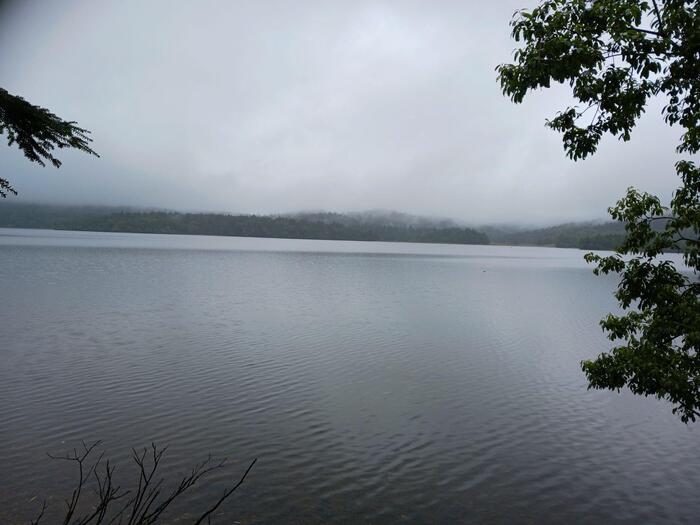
[[375, 382]]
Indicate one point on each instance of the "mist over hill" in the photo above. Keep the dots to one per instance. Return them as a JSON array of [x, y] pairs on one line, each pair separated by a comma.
[[372, 225], [377, 217]]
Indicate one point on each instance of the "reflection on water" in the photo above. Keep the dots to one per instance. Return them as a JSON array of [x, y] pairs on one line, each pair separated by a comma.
[[375, 382]]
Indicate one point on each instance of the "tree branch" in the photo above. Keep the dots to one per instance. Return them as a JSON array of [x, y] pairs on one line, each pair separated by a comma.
[[658, 19], [646, 31], [225, 495], [147, 504]]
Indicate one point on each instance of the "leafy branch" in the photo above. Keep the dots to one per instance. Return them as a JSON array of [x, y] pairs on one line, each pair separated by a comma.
[[37, 132]]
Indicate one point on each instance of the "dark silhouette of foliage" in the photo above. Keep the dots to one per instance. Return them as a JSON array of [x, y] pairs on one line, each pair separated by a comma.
[[615, 55], [37, 132], [144, 504]]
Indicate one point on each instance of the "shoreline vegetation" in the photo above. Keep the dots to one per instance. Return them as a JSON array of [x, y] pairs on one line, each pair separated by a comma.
[[365, 226]]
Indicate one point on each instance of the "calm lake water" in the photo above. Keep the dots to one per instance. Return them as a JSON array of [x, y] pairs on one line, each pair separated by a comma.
[[375, 382]]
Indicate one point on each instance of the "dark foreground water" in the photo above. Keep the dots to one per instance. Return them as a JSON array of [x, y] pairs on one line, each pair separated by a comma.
[[376, 383]]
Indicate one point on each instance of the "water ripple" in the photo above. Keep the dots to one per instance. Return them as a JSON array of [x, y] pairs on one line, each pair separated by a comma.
[[373, 388]]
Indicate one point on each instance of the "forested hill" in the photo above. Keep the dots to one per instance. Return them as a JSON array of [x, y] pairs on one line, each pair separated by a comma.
[[357, 226], [303, 226], [586, 236]]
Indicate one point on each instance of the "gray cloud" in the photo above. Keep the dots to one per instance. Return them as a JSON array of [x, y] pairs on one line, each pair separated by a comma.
[[282, 106]]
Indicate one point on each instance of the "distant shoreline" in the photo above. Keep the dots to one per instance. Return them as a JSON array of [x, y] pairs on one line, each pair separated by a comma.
[[500, 245], [239, 226], [363, 226]]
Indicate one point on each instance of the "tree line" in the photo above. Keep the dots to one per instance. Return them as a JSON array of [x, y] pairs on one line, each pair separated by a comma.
[[285, 227], [390, 227], [585, 236]]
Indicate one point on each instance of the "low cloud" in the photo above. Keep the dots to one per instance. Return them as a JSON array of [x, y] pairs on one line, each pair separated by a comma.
[[285, 106]]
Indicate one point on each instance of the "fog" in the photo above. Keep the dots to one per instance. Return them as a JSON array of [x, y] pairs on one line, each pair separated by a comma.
[[266, 107]]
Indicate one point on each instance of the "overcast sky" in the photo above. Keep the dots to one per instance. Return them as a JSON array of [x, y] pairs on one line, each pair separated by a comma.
[[276, 106]]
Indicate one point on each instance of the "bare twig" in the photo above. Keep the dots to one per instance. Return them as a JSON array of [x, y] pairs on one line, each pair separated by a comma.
[[225, 495], [146, 503], [72, 504], [36, 520]]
